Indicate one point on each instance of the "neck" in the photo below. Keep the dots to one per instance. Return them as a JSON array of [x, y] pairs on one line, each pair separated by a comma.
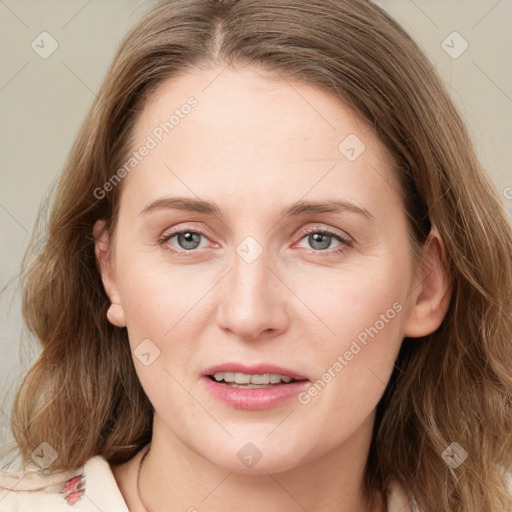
[[174, 478]]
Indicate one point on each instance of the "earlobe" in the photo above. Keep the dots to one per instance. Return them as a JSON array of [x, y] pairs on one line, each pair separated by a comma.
[[115, 313], [431, 293]]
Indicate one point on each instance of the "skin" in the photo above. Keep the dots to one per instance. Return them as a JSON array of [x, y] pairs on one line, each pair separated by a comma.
[[253, 145]]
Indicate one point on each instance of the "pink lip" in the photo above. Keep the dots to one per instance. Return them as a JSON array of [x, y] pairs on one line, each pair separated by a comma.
[[254, 369], [256, 398], [253, 399]]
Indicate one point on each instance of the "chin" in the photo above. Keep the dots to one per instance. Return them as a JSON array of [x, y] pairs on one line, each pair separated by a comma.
[[255, 459]]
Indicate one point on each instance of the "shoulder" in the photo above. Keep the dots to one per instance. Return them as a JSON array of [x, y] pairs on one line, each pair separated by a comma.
[[90, 488], [401, 500], [398, 500]]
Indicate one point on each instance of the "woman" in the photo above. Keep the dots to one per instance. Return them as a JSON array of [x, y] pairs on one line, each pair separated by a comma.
[[204, 345]]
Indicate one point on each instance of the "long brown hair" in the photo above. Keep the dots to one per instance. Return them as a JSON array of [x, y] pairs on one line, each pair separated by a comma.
[[83, 397]]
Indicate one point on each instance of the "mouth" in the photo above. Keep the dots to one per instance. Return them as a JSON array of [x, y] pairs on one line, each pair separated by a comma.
[[252, 387], [253, 391], [252, 381]]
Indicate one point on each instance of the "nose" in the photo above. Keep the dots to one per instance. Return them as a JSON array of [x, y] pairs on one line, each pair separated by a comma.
[[253, 300]]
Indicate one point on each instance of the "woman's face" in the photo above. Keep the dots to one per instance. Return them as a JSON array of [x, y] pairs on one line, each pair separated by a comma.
[[288, 247]]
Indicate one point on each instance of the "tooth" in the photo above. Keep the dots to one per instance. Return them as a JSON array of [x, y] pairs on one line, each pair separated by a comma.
[[229, 377], [242, 378], [251, 386], [260, 379], [246, 380]]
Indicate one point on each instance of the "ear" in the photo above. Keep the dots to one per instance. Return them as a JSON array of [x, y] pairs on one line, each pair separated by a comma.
[[432, 290], [102, 250]]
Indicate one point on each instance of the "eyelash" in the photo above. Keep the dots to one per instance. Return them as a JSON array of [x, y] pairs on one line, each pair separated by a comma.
[[344, 242]]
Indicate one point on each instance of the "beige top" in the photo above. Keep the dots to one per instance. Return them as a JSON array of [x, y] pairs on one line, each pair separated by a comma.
[[93, 488]]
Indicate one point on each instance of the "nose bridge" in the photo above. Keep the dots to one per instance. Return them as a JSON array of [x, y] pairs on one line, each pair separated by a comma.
[[250, 278], [251, 302]]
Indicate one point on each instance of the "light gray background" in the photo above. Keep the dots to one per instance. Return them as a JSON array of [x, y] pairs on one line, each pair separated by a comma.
[[44, 101]]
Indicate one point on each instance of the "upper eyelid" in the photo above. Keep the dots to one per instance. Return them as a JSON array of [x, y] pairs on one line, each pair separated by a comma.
[[331, 231], [342, 235], [316, 226]]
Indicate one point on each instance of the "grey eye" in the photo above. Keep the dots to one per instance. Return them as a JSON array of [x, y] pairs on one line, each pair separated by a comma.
[[323, 240], [188, 239]]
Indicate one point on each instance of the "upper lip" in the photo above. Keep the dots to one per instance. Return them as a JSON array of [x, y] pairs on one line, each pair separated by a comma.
[[254, 369]]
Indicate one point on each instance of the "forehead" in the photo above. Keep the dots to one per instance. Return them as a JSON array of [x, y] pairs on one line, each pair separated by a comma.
[[253, 106], [244, 129]]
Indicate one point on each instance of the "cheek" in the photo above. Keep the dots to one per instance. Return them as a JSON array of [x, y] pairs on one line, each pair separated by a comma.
[[344, 303], [163, 307], [158, 301], [359, 335]]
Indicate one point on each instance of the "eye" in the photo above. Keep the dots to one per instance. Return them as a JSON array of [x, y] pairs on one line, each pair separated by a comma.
[[321, 240], [187, 240]]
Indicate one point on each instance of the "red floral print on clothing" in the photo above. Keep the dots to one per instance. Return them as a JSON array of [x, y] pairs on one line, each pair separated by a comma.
[[74, 489]]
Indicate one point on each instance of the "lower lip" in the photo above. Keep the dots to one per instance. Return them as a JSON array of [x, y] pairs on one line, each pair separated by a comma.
[[254, 399]]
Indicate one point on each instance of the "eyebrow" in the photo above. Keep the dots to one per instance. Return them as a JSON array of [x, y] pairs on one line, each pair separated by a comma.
[[294, 210]]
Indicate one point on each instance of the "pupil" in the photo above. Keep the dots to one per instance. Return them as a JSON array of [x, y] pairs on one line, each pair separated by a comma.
[[317, 238], [187, 238]]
